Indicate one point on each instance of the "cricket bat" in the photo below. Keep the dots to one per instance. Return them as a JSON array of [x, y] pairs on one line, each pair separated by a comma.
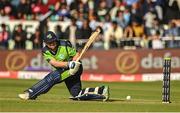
[[91, 39]]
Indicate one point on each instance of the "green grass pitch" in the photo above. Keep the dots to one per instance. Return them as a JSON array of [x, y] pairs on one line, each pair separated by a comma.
[[145, 97]]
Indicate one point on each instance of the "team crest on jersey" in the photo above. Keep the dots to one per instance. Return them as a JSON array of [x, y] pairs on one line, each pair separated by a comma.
[[61, 56]]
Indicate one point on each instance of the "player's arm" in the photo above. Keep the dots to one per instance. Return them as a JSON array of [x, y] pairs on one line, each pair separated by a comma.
[[50, 59], [56, 63], [62, 63], [73, 65]]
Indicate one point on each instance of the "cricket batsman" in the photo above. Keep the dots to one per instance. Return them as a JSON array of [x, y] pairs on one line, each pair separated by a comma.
[[62, 57]]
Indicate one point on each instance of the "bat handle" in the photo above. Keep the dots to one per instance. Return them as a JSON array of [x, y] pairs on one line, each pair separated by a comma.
[[98, 30], [83, 51], [78, 59]]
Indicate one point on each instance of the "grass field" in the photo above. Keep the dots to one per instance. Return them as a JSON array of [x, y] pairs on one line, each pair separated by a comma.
[[146, 97]]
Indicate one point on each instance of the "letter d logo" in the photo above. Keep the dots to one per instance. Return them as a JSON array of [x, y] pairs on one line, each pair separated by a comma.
[[127, 62]]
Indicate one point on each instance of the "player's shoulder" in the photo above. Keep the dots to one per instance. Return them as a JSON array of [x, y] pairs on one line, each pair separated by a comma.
[[65, 43], [44, 49]]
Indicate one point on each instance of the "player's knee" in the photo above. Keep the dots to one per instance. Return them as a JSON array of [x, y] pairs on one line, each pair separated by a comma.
[[75, 91], [53, 77]]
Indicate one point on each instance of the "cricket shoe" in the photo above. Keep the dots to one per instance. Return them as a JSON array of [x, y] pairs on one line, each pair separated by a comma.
[[106, 93], [24, 96]]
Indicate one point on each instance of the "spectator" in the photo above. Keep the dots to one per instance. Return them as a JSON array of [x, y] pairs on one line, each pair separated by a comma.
[[127, 16], [4, 36], [83, 7], [130, 2], [98, 44], [128, 32], [74, 5], [156, 41], [5, 10], [156, 26], [172, 10], [114, 10], [106, 24], [85, 30], [159, 8], [24, 9], [72, 32], [59, 33], [138, 29], [94, 23], [109, 3], [80, 20], [136, 13], [149, 19], [42, 5], [120, 19], [63, 12], [19, 37], [102, 10], [113, 36], [5, 13], [36, 40], [138, 18], [173, 29]]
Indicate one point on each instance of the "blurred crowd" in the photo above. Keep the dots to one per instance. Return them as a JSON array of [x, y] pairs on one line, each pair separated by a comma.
[[124, 23]]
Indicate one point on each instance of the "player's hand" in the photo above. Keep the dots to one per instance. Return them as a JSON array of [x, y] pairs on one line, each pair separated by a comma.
[[73, 67], [72, 64]]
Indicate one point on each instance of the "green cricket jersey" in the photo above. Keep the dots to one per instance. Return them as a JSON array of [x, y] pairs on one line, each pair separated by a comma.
[[65, 52]]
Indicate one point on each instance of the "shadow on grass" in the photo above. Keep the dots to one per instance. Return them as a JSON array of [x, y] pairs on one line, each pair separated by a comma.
[[110, 100], [115, 99]]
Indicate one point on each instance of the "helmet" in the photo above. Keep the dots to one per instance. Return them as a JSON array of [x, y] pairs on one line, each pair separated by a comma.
[[50, 37]]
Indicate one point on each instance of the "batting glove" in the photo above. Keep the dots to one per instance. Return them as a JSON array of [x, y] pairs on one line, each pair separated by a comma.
[[73, 67]]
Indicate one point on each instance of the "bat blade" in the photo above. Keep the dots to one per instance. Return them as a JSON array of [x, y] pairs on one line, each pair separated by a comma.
[[91, 39]]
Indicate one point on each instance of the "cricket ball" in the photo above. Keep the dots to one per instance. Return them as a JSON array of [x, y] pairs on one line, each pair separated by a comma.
[[128, 97]]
